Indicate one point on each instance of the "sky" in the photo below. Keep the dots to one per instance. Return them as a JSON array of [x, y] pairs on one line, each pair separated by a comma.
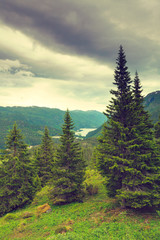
[[62, 53]]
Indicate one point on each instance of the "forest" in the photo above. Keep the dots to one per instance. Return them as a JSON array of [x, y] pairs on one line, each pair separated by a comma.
[[113, 177], [32, 121]]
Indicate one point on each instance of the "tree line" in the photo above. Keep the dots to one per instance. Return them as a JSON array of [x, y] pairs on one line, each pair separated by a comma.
[[21, 175], [127, 155]]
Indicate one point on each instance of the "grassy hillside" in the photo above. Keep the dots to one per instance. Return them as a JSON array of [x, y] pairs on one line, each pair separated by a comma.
[[32, 120], [98, 217]]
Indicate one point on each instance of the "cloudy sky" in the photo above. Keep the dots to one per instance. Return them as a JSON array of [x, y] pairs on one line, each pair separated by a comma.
[[62, 53]]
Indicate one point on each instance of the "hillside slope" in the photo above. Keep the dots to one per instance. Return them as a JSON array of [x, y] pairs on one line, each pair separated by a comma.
[[32, 120], [98, 217], [152, 105]]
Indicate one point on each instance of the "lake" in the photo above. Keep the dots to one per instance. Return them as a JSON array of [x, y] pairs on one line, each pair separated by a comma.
[[84, 131]]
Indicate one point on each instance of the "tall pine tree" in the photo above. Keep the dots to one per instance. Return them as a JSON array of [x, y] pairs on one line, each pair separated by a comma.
[[69, 168], [44, 158], [113, 147], [18, 178], [157, 135], [126, 153], [157, 129]]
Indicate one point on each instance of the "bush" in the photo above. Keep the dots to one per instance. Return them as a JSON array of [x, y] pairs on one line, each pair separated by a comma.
[[92, 181], [63, 229], [91, 189], [10, 216]]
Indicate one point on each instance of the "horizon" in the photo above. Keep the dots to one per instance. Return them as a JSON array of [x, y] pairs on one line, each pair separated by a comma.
[[70, 110], [68, 107]]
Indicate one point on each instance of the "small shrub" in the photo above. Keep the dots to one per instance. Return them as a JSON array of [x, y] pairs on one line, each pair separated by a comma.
[[69, 222], [46, 234], [10, 216], [91, 189], [26, 215], [41, 196], [35, 201], [59, 201], [21, 227], [61, 230], [92, 182]]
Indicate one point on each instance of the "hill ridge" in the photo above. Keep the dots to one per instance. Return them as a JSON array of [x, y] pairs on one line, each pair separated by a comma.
[[32, 120]]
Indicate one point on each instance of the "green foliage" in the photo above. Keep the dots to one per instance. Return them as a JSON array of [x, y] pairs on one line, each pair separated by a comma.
[[98, 217], [157, 129], [87, 147], [92, 181], [152, 105], [10, 216], [127, 155], [44, 158], [32, 121], [18, 178], [69, 167], [157, 135]]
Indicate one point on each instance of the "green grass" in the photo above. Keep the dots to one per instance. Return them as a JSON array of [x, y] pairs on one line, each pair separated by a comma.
[[98, 217]]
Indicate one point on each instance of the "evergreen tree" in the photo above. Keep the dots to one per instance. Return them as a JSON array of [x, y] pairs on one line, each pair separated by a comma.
[[113, 147], [141, 115], [157, 135], [126, 153], [18, 178], [15, 143], [69, 168], [157, 129], [44, 158]]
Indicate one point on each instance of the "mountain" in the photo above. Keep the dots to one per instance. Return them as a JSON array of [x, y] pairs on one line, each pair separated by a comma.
[[32, 120], [151, 104], [95, 133]]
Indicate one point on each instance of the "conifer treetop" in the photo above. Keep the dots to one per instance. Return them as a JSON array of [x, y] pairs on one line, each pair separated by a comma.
[[122, 76]]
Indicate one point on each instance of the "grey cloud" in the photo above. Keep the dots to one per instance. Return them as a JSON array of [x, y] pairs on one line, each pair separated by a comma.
[[15, 74], [91, 28], [17, 81], [72, 27]]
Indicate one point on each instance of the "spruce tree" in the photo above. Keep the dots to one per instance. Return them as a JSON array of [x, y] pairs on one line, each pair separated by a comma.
[[141, 115], [69, 167], [44, 158], [18, 178], [143, 187], [157, 135], [113, 148], [157, 129], [126, 153], [15, 143]]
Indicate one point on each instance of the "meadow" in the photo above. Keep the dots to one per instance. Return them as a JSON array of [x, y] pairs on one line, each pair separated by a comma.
[[97, 217]]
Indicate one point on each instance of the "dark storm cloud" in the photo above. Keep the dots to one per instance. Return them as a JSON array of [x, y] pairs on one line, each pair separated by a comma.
[[92, 28], [64, 25], [64, 51]]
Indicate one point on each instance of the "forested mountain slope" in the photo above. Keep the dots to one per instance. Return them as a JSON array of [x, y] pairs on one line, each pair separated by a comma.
[[32, 120], [152, 105]]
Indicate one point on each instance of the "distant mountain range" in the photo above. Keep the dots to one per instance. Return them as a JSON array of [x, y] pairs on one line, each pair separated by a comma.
[[32, 120], [152, 105]]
